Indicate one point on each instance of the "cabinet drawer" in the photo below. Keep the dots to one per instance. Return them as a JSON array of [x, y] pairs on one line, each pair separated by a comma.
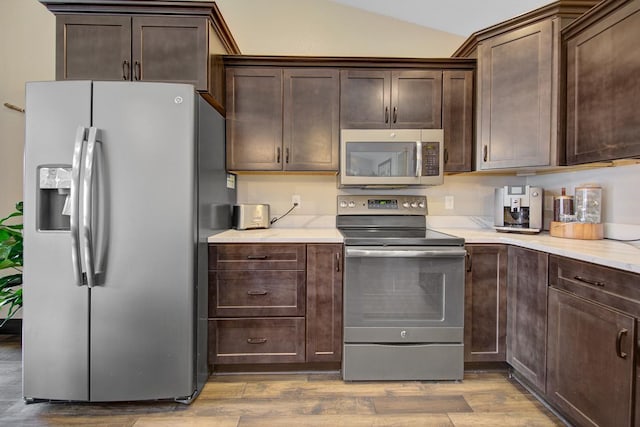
[[257, 257], [258, 340], [256, 293], [616, 288]]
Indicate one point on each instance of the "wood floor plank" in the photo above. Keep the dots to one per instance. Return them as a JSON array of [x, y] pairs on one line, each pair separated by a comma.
[[155, 421], [504, 419], [429, 420], [420, 405]]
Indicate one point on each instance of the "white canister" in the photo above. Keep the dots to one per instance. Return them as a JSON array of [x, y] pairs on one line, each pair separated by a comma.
[[588, 203]]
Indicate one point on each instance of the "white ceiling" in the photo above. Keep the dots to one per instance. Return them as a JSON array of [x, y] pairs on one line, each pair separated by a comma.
[[462, 17]]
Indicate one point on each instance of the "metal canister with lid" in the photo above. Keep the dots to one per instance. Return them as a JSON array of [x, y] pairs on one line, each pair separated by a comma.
[[563, 207]]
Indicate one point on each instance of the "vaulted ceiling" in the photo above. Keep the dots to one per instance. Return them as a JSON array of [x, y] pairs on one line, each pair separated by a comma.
[[461, 17]]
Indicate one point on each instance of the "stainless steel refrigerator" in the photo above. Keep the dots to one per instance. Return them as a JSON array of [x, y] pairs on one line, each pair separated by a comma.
[[123, 183]]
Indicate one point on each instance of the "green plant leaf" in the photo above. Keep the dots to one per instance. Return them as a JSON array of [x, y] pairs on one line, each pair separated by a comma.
[[10, 281]]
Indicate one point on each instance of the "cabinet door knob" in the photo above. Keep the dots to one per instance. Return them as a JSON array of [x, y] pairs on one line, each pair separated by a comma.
[[621, 354], [126, 70]]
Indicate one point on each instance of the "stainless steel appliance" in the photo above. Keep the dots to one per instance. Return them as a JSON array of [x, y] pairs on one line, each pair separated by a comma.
[[391, 157], [246, 216], [123, 184], [518, 208], [403, 292]]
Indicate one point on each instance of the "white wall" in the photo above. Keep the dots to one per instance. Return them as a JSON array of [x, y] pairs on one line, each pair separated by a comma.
[[27, 49], [325, 28]]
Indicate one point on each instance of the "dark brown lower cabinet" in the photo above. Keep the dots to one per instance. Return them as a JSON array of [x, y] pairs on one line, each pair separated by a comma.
[[275, 304], [485, 313], [324, 302], [527, 314], [590, 364]]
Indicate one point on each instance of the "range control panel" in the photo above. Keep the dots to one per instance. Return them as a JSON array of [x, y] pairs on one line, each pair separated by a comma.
[[381, 205]]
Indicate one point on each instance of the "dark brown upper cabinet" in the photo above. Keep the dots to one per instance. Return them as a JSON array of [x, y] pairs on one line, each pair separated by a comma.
[[518, 101], [457, 119], [602, 91], [282, 119], [378, 99], [180, 43]]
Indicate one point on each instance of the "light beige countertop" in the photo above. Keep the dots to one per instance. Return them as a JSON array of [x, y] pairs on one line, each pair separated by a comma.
[[604, 252], [279, 235]]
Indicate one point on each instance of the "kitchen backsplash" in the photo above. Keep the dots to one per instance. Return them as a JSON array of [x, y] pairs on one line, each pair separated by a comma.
[[460, 195]]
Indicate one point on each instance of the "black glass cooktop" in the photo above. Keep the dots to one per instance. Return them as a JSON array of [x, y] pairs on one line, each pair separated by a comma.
[[398, 237]]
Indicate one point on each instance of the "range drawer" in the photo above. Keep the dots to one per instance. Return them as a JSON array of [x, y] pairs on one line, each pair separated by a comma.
[[260, 340], [256, 293], [616, 288], [257, 257]]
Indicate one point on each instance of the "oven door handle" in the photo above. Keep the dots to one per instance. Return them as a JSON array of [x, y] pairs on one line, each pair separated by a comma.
[[405, 253]]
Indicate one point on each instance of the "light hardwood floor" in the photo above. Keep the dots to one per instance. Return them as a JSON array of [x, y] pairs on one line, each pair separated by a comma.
[[481, 399]]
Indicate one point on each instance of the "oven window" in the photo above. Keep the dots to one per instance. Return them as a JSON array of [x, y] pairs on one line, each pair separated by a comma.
[[403, 291], [382, 159]]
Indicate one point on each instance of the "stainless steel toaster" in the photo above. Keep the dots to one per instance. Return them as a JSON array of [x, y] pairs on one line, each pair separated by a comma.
[[248, 216]]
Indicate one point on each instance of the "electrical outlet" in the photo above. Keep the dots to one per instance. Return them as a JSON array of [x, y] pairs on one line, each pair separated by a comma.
[[296, 199], [448, 202]]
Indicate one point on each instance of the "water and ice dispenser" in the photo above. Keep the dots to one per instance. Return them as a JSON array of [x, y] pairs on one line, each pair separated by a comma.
[[53, 198]]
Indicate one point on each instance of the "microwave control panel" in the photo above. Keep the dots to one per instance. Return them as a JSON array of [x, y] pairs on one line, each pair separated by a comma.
[[430, 159]]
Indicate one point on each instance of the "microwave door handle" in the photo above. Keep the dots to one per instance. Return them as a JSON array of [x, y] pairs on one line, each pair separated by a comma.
[[418, 158]]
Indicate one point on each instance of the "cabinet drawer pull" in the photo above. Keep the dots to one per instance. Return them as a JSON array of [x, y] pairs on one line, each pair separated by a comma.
[[621, 354], [395, 114], [256, 257], [590, 282], [386, 114], [256, 340], [137, 73], [125, 70], [258, 293]]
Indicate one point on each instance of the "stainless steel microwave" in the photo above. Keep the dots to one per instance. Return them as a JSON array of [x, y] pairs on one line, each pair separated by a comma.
[[391, 157]]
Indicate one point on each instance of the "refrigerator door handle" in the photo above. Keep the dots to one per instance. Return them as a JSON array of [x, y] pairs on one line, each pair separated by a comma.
[[87, 207], [74, 216]]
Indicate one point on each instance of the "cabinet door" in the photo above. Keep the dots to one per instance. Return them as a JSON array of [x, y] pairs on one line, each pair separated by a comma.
[[311, 127], [254, 119], [457, 120], [324, 302], [170, 49], [416, 99], [602, 89], [93, 47], [527, 314], [365, 98], [515, 81], [591, 351], [485, 322]]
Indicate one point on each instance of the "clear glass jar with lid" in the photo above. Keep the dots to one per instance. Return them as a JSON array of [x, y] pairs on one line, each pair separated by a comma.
[[588, 203]]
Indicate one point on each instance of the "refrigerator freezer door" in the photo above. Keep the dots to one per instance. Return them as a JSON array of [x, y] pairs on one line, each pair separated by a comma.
[[142, 310], [56, 309]]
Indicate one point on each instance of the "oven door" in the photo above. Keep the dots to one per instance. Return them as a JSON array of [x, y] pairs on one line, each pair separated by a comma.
[[403, 294]]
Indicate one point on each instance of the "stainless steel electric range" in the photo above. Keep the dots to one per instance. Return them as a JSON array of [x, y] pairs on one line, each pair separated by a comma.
[[403, 291]]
